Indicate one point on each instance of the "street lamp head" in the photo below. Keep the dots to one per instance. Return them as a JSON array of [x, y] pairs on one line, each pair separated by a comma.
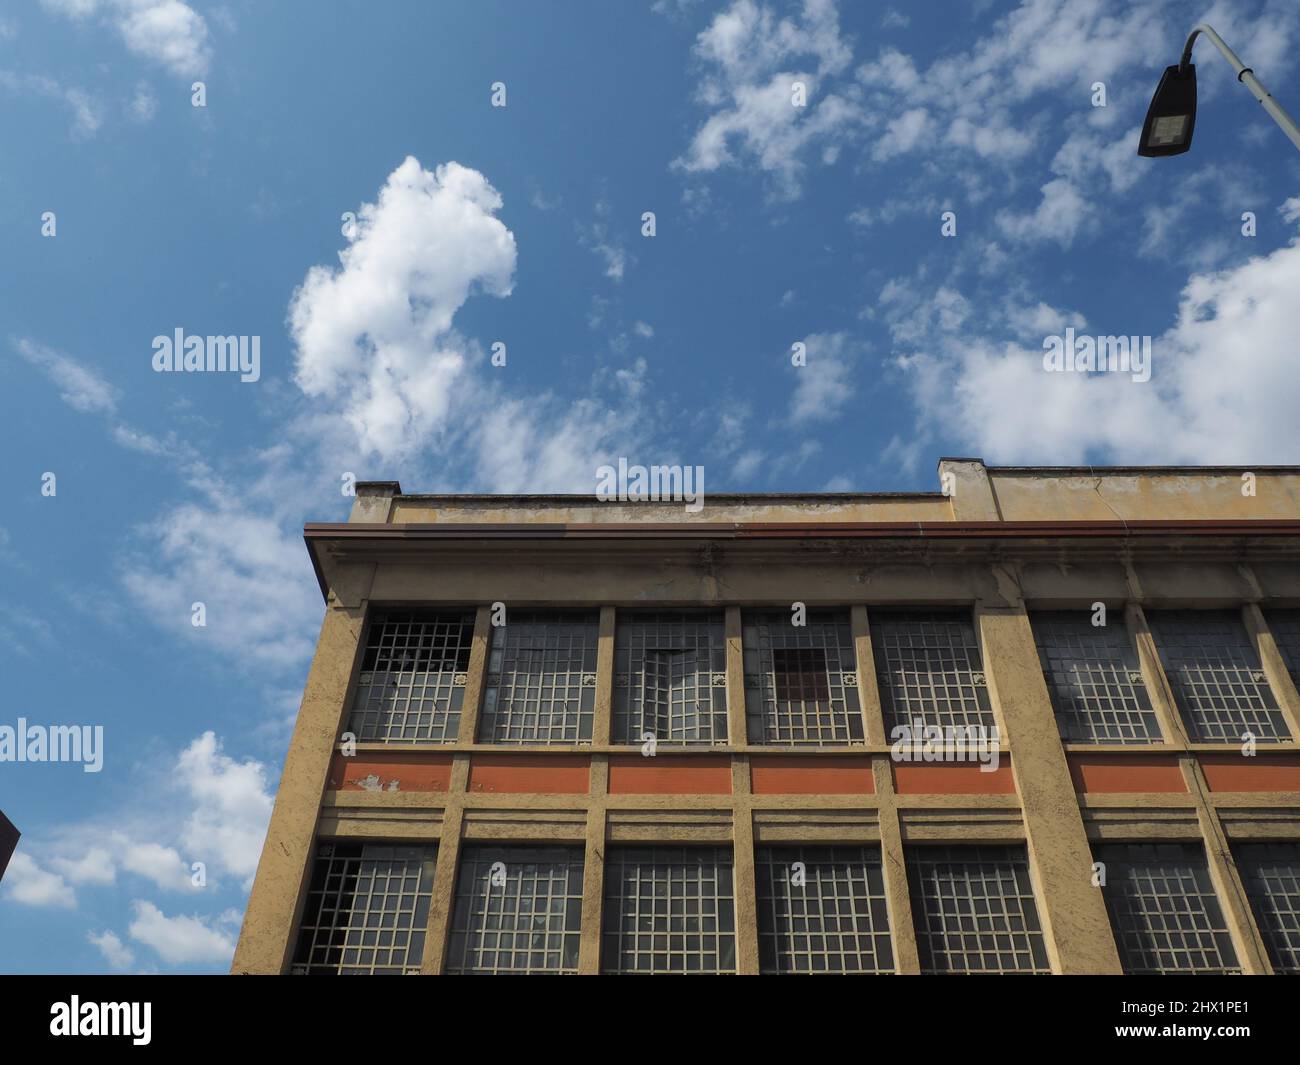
[[1172, 114]]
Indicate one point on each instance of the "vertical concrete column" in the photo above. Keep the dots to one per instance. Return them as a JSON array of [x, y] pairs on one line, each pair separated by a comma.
[[1074, 913], [736, 729], [444, 872], [744, 876], [475, 677], [1275, 671], [1252, 955], [1157, 684], [271, 918], [593, 883], [600, 727], [873, 719], [902, 929]]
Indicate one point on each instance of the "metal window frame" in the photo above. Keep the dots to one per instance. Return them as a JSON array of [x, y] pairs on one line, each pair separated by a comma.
[[669, 908], [494, 927], [336, 936], [953, 889], [833, 721], [540, 688], [1216, 677], [412, 705], [930, 667], [836, 921], [1270, 873], [1165, 914], [693, 713], [1094, 679]]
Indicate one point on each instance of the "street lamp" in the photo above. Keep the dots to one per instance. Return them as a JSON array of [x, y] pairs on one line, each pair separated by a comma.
[[1172, 114]]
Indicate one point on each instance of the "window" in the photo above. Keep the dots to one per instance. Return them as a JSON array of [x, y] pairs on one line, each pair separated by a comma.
[[1216, 676], [366, 910], [1285, 626], [412, 683], [801, 682], [518, 910], [822, 910], [974, 910], [1271, 873], [928, 668], [1094, 678], [670, 678], [541, 684], [1163, 909], [669, 910]]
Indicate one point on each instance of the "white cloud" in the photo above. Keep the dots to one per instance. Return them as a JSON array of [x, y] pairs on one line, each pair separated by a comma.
[[232, 806], [608, 248], [823, 386], [94, 866], [1039, 47], [87, 115], [80, 387], [753, 60], [115, 952], [169, 32], [1222, 390], [253, 578], [375, 335], [642, 330], [1059, 216], [144, 104], [903, 133], [161, 865], [184, 939], [26, 882]]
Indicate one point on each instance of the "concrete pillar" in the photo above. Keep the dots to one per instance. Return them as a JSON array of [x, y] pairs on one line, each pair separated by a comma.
[[969, 490], [1073, 911], [271, 919]]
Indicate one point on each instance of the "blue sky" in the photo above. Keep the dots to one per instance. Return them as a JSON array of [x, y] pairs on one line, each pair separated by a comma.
[[522, 224]]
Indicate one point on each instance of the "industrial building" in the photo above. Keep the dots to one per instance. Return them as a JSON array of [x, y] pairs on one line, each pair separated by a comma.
[[1044, 720]]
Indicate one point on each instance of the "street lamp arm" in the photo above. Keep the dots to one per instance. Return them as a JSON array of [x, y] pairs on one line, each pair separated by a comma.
[[1244, 75]]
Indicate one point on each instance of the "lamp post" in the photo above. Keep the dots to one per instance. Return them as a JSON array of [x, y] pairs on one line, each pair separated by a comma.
[[1172, 114]]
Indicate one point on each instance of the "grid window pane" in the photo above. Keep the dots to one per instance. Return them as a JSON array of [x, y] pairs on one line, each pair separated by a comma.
[[822, 910], [1215, 673], [518, 910], [1163, 910], [541, 683], [1271, 873], [412, 683], [366, 910], [801, 682], [1285, 626], [670, 678], [1094, 678], [974, 912], [668, 910], [929, 670]]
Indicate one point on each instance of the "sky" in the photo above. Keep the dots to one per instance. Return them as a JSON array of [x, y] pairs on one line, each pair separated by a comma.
[[805, 246]]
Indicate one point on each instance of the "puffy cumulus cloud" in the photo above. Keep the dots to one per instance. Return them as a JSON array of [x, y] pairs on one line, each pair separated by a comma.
[[251, 575], [232, 803], [168, 32], [182, 939], [823, 385], [1061, 213], [29, 883], [752, 60], [115, 952], [375, 334], [1223, 387]]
